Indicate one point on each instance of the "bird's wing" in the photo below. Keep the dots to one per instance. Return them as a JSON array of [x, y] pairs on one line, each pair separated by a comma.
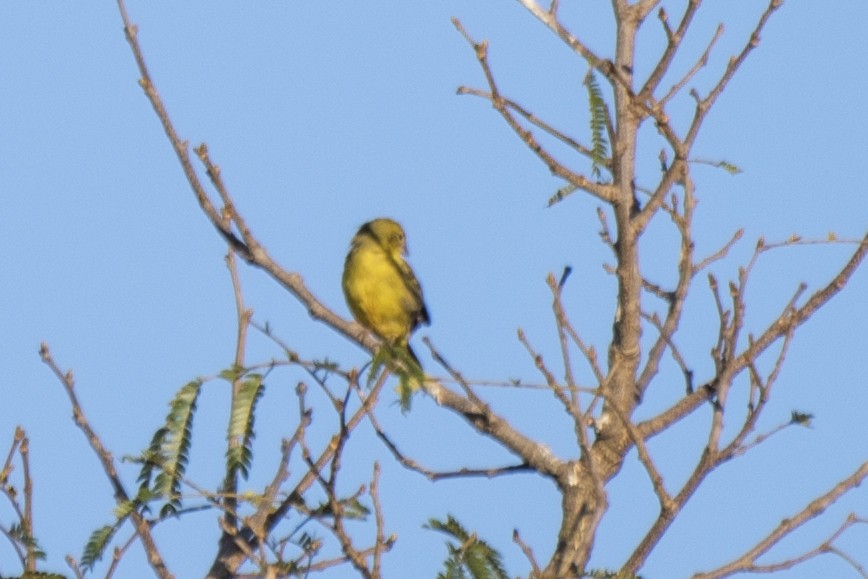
[[420, 311]]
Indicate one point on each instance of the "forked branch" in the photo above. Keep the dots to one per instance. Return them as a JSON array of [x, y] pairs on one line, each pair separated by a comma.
[[748, 561], [141, 525]]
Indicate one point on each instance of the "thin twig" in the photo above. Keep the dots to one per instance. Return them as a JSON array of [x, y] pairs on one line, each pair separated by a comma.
[[454, 373], [747, 561], [121, 497], [704, 105], [676, 354], [534, 120], [674, 39], [701, 63], [243, 315], [528, 553], [464, 472], [777, 329], [73, 564], [249, 248], [556, 388], [550, 20], [719, 254], [663, 496], [601, 191], [27, 520], [381, 543]]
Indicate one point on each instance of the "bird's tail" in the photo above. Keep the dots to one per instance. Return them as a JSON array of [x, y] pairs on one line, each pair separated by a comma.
[[413, 356], [411, 377]]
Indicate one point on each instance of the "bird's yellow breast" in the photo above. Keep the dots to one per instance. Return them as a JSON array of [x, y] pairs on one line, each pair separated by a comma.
[[377, 293]]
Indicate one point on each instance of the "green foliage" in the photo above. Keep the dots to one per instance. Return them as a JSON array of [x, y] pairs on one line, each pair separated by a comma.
[[351, 508], [20, 536], [470, 557], [100, 539], [168, 453], [240, 454], [150, 461], [126, 508], [232, 374], [354, 509], [801, 418], [600, 120], [561, 194], [730, 168], [96, 545]]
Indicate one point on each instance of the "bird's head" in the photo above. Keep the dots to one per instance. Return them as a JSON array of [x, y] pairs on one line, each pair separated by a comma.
[[389, 235]]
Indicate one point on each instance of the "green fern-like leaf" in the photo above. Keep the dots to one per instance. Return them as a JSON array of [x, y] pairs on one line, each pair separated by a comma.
[[150, 458], [452, 570], [801, 418], [125, 509], [175, 445], [241, 433], [562, 194], [351, 508], [232, 374], [600, 120], [730, 168], [471, 555], [28, 541], [96, 546], [354, 509]]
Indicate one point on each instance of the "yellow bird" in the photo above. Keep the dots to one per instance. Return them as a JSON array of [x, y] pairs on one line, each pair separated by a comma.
[[380, 287]]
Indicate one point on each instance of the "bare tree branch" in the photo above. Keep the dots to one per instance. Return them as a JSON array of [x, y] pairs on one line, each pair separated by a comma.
[[550, 20], [719, 254], [704, 105], [414, 465], [243, 315], [142, 527], [817, 300], [528, 553], [250, 249], [748, 561], [701, 63], [532, 119], [674, 43], [556, 167], [581, 480]]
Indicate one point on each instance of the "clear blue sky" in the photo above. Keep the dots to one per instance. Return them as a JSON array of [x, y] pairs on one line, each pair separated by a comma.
[[323, 115]]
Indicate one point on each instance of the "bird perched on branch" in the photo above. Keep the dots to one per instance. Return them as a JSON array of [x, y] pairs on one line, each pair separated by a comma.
[[380, 287]]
